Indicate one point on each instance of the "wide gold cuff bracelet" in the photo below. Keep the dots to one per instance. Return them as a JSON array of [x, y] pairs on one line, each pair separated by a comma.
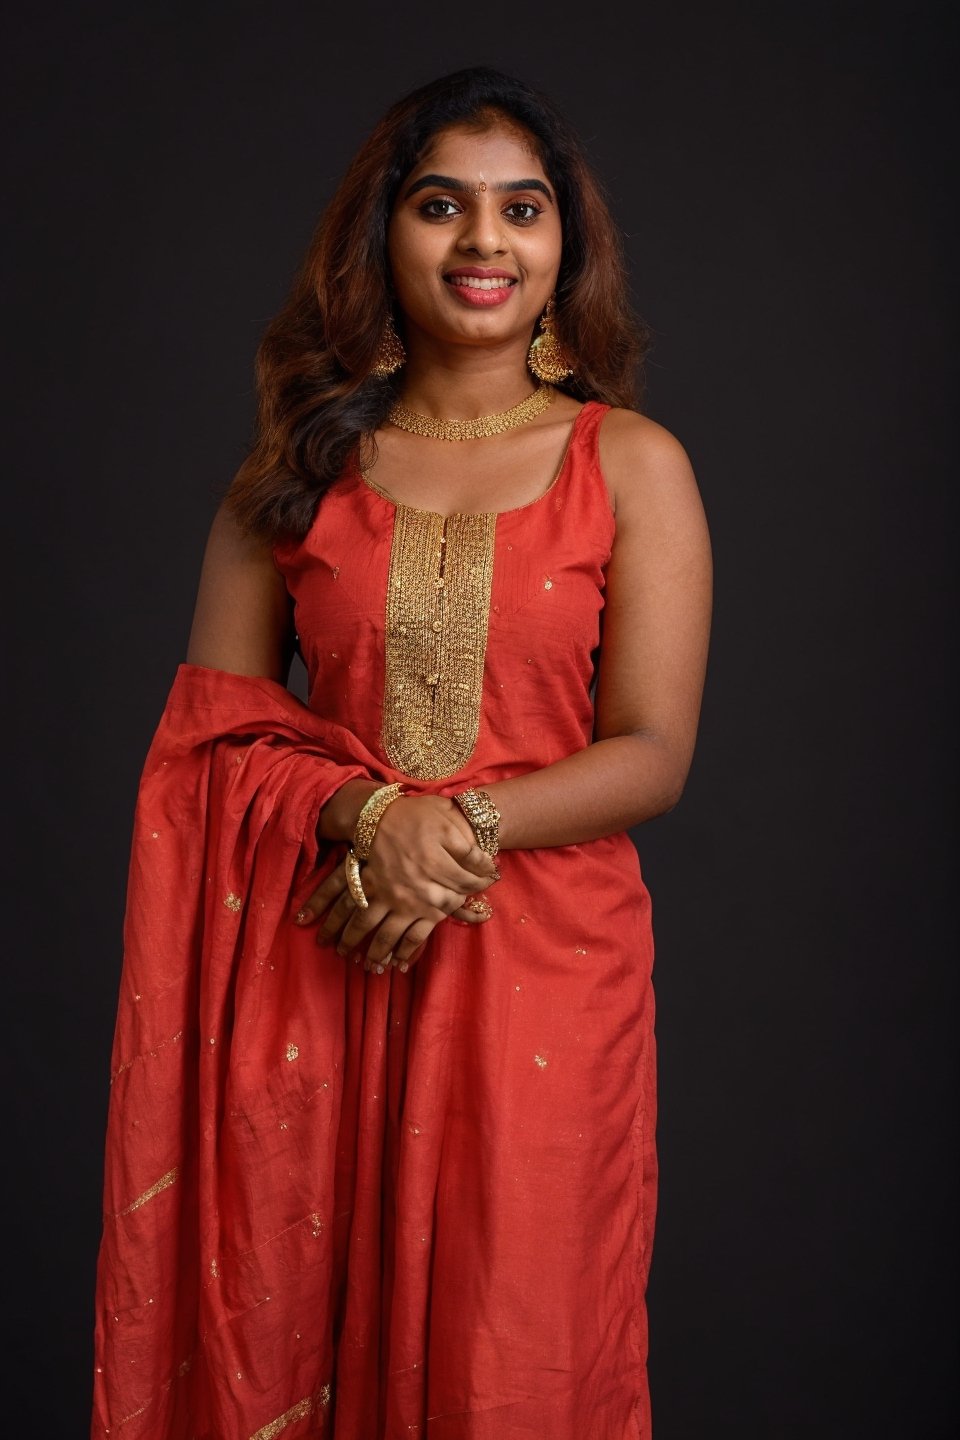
[[484, 818], [369, 818]]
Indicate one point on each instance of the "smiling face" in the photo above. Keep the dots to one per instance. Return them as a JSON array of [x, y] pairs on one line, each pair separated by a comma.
[[474, 240]]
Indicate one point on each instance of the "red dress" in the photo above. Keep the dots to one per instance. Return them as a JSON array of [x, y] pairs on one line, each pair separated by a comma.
[[372, 1207]]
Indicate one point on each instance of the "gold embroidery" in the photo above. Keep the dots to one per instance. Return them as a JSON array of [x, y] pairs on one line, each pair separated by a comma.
[[172, 1040], [296, 1412], [133, 1414], [162, 1184], [233, 902], [438, 606]]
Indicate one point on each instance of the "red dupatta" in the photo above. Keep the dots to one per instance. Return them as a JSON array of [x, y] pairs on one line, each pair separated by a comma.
[[205, 1098]]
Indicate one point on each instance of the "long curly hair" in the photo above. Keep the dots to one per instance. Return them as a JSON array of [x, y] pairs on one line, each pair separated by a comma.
[[318, 399]]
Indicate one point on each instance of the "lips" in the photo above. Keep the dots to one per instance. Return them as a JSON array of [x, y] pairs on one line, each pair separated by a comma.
[[475, 277], [480, 285]]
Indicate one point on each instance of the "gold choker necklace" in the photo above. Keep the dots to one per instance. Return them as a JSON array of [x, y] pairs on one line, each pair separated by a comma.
[[528, 409]]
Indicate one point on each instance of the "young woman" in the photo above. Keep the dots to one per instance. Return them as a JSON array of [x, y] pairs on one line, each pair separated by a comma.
[[380, 1155]]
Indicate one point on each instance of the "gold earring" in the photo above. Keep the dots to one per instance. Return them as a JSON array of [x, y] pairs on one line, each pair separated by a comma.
[[545, 356], [390, 354]]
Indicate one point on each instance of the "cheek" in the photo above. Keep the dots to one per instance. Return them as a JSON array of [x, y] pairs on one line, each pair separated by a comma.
[[412, 256], [540, 250]]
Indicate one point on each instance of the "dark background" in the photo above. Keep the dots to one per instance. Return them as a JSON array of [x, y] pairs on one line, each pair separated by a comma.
[[781, 173]]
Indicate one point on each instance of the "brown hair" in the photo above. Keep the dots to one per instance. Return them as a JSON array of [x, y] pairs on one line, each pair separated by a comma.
[[317, 396]]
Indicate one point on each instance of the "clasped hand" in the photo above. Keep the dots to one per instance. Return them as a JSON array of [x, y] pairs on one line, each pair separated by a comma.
[[423, 865]]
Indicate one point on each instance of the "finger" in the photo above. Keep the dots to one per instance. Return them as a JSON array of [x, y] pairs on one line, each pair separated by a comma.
[[333, 886], [475, 911], [479, 862], [418, 932], [340, 913], [361, 924], [389, 934], [466, 879], [468, 853]]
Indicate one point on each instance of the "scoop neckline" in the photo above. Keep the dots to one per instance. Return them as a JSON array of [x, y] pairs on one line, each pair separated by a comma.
[[474, 514]]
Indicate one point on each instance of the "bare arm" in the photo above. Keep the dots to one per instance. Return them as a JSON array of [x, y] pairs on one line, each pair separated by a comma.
[[653, 655], [243, 618]]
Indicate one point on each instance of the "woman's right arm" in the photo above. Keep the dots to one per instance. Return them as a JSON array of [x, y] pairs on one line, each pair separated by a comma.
[[243, 623]]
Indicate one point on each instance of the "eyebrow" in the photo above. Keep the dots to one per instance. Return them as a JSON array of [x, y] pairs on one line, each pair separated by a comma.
[[447, 182]]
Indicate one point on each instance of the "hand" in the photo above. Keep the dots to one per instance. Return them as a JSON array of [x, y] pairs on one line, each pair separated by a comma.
[[423, 865]]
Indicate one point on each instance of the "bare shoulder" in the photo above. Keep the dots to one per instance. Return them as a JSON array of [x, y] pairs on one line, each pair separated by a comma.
[[643, 464], [234, 546]]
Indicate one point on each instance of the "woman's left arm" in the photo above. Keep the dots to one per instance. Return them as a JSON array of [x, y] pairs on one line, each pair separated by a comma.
[[653, 657]]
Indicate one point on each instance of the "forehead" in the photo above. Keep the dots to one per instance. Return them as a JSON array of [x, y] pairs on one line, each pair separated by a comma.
[[501, 151]]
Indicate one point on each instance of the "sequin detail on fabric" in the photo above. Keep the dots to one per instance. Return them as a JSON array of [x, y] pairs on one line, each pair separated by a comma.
[[438, 609]]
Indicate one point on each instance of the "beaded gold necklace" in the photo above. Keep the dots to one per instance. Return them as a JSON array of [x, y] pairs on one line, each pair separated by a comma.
[[417, 424]]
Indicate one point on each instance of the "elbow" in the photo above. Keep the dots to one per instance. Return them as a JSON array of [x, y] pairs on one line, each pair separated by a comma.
[[670, 777], [671, 799], [665, 798]]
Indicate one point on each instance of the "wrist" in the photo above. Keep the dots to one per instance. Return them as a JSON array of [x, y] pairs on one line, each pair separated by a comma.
[[371, 815], [338, 818]]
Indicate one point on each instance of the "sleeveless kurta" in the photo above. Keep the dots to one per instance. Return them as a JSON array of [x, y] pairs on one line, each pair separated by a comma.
[[409, 1206], [496, 1158]]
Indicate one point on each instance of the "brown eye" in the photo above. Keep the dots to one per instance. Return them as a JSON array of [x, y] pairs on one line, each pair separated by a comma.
[[522, 212], [439, 208]]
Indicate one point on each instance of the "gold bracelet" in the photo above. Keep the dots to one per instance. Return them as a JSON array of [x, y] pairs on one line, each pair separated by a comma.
[[352, 867], [369, 818], [484, 818]]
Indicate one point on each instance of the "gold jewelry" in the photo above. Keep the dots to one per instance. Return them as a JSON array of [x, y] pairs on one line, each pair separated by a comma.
[[369, 818], [391, 354], [484, 818], [545, 356], [352, 867], [484, 425]]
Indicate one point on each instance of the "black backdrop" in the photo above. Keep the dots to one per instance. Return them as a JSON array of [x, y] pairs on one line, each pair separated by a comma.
[[780, 172]]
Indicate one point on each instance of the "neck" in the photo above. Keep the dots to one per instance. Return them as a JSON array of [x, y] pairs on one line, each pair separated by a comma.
[[463, 382]]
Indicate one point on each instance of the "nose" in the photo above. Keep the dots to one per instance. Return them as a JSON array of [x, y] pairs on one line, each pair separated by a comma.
[[484, 231]]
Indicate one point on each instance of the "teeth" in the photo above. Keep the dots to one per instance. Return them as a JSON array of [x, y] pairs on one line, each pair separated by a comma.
[[497, 283]]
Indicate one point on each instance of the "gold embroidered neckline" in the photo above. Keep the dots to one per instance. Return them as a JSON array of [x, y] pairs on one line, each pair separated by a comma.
[[469, 514], [437, 615]]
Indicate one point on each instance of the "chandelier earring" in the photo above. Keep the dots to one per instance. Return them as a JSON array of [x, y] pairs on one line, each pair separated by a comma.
[[545, 356], [390, 353]]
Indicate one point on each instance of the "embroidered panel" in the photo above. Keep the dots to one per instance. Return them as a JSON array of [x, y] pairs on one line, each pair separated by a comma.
[[438, 609]]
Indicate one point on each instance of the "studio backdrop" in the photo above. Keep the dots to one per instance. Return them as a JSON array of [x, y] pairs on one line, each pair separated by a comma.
[[778, 173]]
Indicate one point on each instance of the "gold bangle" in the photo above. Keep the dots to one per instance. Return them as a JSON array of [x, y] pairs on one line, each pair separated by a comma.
[[484, 818], [352, 867], [369, 818]]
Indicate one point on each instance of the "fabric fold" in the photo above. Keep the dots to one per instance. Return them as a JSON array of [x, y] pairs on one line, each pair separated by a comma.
[[224, 849]]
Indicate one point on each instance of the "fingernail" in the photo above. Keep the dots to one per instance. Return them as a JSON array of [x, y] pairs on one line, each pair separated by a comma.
[[387, 958], [404, 966], [301, 916], [379, 969]]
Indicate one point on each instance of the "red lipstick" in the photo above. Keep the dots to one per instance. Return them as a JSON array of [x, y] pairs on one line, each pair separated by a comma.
[[480, 285]]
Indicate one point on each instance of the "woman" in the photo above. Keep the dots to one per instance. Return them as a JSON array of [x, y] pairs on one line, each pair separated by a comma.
[[413, 1194]]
